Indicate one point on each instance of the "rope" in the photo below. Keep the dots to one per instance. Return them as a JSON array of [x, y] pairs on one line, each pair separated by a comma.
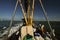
[[12, 17], [45, 14], [24, 14], [32, 11]]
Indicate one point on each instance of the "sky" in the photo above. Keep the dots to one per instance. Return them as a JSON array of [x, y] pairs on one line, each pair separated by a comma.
[[52, 8]]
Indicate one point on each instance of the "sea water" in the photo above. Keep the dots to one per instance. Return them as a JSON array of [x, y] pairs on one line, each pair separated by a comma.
[[54, 24]]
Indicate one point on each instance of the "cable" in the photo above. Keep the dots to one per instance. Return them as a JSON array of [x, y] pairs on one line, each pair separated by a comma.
[[12, 17], [24, 14], [32, 11], [45, 14]]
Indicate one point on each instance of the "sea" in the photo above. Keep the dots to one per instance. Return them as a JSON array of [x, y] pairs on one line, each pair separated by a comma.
[[54, 24]]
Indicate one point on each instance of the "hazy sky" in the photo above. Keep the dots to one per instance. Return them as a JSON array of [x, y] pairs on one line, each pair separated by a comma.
[[52, 8]]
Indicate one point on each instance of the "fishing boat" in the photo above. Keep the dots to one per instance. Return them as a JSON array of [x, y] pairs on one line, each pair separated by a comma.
[[27, 30]]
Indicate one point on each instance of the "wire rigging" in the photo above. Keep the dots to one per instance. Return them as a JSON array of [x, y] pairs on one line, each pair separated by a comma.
[[32, 9], [24, 14], [12, 18], [45, 14]]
